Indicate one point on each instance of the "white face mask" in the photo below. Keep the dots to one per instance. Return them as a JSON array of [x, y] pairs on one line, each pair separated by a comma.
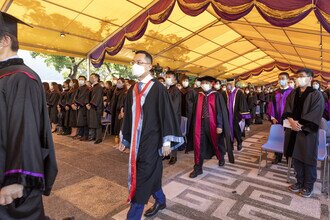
[[217, 86], [185, 84], [302, 82], [316, 86], [247, 91], [282, 82], [229, 87], [291, 85], [206, 87], [224, 89], [168, 81], [81, 82], [137, 70], [198, 84]]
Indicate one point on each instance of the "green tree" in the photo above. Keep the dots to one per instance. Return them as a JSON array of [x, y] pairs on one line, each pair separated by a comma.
[[61, 63], [71, 67]]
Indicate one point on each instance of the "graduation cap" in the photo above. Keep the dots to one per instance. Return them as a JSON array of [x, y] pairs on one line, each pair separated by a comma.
[[8, 23], [207, 78], [230, 80]]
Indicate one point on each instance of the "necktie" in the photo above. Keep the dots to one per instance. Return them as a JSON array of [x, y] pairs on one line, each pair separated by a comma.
[[205, 110]]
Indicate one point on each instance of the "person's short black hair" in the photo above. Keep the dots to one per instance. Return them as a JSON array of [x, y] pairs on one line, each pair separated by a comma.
[[96, 75], [308, 72], [81, 76], [14, 42], [148, 55], [284, 74], [184, 77]]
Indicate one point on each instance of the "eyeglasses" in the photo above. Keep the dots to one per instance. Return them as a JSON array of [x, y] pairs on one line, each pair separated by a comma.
[[137, 62]]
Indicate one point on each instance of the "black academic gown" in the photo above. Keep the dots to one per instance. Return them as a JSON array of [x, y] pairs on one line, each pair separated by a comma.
[[176, 98], [119, 105], [94, 115], [240, 111], [63, 116], [52, 103], [251, 100], [262, 100], [73, 114], [307, 108], [206, 142], [27, 154], [81, 100], [116, 102], [189, 96], [159, 125]]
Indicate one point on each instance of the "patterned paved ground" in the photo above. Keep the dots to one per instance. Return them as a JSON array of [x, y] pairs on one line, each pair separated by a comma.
[[92, 185]]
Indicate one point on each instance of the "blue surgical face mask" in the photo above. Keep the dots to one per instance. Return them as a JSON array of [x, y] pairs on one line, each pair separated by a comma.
[[282, 82]]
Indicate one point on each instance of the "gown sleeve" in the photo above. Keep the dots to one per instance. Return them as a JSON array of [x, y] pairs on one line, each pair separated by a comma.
[[170, 127], [127, 122], [30, 157]]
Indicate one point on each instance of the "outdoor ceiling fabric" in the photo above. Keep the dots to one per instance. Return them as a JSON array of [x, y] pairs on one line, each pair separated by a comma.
[[203, 44], [280, 13]]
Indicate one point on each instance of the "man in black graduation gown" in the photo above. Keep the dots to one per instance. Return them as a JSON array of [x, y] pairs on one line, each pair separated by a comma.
[[80, 101], [211, 126], [251, 99], [303, 110], [188, 108], [261, 99], [27, 159], [116, 105], [95, 108], [151, 131], [176, 98], [277, 104], [237, 111]]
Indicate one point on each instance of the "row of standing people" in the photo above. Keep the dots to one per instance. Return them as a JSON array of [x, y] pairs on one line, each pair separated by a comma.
[[82, 105]]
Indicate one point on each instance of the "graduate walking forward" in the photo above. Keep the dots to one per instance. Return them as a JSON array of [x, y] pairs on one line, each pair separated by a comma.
[[150, 130], [304, 109], [27, 159], [211, 127]]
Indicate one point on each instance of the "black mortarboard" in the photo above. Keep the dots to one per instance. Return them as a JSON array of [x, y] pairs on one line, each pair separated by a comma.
[[8, 23], [207, 78], [230, 80]]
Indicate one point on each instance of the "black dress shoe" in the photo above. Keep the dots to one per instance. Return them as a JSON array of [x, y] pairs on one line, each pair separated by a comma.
[[172, 160], [98, 141], [91, 139], [221, 163], [195, 173], [166, 158], [154, 209], [239, 147]]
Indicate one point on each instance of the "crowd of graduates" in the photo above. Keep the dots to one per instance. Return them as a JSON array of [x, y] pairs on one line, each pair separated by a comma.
[[79, 107]]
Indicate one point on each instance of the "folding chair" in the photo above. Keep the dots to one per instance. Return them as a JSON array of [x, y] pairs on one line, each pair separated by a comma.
[[275, 143], [106, 122]]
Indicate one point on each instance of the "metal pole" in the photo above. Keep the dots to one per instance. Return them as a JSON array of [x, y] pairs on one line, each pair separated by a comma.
[[88, 67]]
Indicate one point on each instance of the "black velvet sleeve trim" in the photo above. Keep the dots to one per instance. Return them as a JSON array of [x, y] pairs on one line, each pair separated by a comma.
[[25, 180], [309, 124], [287, 115]]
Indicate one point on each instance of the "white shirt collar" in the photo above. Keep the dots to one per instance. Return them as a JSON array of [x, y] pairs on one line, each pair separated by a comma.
[[12, 57], [285, 87], [146, 79], [232, 89]]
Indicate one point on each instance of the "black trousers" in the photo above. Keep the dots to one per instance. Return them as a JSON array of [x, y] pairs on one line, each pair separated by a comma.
[[83, 131], [31, 209], [206, 146], [306, 174]]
